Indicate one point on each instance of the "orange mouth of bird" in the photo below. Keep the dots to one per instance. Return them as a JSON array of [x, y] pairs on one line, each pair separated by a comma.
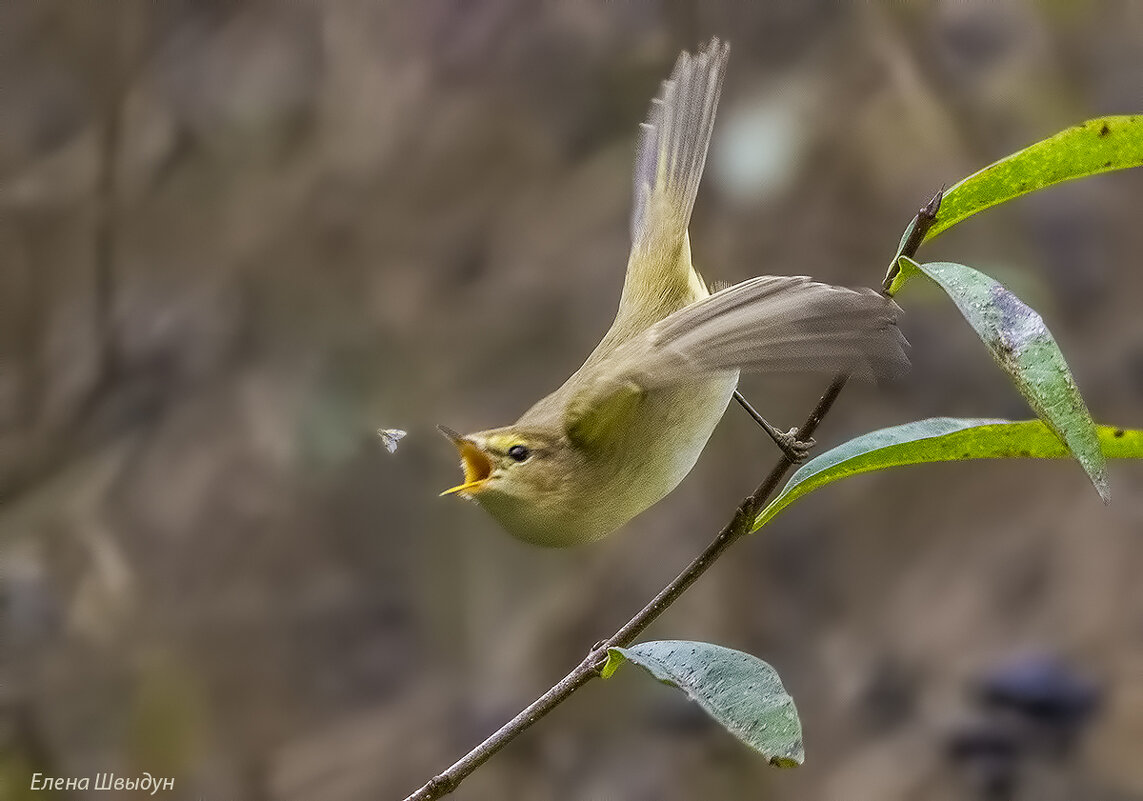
[[477, 467]]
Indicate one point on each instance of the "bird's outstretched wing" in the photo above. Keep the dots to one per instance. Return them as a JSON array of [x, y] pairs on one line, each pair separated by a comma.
[[769, 324]]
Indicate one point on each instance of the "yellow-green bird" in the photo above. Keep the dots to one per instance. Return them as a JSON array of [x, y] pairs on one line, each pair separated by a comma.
[[629, 425]]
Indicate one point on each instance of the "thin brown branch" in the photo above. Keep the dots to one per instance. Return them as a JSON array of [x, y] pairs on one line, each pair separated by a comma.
[[740, 524], [918, 230]]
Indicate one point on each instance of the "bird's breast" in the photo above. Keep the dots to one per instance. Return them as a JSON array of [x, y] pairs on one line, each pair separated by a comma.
[[671, 428]]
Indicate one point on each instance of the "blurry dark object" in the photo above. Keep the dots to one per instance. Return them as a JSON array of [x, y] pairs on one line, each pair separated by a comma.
[[889, 699], [1033, 706], [988, 751], [1049, 700]]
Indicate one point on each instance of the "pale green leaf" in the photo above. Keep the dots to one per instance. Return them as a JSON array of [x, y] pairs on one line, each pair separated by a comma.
[[1022, 345], [741, 692], [940, 439]]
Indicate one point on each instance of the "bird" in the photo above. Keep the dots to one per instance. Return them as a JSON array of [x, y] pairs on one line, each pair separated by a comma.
[[625, 429]]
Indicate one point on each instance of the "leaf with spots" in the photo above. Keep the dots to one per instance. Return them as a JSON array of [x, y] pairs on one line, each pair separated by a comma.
[[1095, 146], [741, 692], [941, 439], [1025, 349]]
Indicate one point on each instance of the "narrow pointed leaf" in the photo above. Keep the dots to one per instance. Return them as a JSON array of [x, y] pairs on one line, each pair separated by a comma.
[[1095, 146], [741, 692], [941, 439], [1025, 349], [1099, 145]]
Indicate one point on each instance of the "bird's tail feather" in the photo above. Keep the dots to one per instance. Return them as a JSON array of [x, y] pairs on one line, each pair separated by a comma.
[[673, 146]]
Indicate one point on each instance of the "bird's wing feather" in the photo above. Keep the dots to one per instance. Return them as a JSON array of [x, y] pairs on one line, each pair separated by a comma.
[[769, 324]]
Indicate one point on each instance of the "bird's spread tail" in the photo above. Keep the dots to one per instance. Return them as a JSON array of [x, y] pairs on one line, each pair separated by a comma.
[[673, 145]]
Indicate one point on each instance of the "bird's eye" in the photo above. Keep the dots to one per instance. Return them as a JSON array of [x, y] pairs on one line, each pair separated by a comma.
[[518, 452]]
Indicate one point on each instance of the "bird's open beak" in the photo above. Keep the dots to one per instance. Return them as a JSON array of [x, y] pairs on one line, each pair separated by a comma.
[[477, 467]]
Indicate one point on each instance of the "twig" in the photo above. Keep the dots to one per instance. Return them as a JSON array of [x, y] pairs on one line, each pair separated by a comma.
[[740, 524], [918, 229]]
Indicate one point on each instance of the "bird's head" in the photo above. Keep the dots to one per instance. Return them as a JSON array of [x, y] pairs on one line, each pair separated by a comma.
[[523, 477]]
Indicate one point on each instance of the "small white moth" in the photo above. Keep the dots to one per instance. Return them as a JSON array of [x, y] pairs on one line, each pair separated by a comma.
[[390, 437]]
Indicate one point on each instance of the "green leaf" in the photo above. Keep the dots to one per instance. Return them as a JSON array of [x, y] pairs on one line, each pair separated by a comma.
[[1024, 348], [940, 439], [1095, 146], [615, 660], [741, 692]]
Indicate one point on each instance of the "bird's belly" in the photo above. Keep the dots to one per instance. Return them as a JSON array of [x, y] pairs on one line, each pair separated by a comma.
[[673, 426]]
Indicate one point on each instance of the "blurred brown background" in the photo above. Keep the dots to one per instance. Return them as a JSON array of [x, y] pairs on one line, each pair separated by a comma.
[[238, 237]]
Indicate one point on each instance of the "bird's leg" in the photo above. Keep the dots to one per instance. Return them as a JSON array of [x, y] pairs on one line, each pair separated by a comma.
[[795, 449]]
